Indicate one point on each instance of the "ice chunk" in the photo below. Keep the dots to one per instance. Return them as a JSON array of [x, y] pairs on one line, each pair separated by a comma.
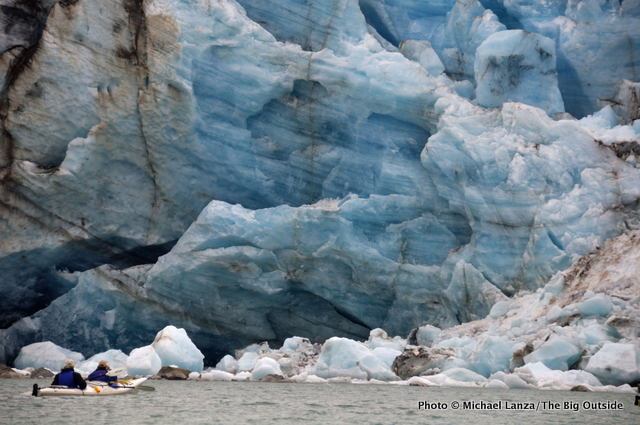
[[227, 364], [511, 380], [313, 379], [597, 334], [45, 354], [518, 66], [542, 377], [597, 305], [265, 366], [491, 354], [296, 343], [343, 357], [379, 338], [174, 347], [247, 362], [386, 355], [439, 380], [556, 353], [426, 335], [616, 363], [216, 375], [116, 358], [496, 384], [143, 361], [464, 375]]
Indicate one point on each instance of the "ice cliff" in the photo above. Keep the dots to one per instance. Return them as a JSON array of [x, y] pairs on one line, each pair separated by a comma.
[[307, 168]]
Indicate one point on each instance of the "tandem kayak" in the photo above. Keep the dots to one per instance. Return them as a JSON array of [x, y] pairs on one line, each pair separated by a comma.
[[93, 389]]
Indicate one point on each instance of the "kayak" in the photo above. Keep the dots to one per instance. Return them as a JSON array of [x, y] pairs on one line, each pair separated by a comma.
[[93, 389]]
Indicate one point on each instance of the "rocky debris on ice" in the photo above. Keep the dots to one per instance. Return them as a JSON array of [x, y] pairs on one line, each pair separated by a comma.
[[7, 372], [576, 333], [585, 318], [45, 354], [420, 360], [173, 373], [41, 373]]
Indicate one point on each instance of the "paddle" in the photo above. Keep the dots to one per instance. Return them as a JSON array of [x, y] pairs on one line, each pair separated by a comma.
[[123, 383], [144, 388], [120, 372]]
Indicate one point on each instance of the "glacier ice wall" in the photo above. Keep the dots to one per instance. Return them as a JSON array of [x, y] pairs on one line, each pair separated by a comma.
[[313, 168]]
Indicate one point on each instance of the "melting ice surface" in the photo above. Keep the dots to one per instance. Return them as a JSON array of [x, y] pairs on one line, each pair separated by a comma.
[[373, 165]]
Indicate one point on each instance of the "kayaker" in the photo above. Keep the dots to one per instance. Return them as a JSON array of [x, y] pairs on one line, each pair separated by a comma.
[[69, 377], [100, 374]]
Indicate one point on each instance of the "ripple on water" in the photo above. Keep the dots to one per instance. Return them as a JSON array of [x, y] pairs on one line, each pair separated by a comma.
[[241, 403]]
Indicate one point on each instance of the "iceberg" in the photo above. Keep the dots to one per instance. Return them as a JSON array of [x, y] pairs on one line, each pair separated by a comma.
[[342, 357], [214, 375], [174, 348], [264, 367], [227, 364], [45, 354], [143, 361], [247, 362]]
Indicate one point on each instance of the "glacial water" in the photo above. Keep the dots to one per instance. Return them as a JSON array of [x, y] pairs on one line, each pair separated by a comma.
[[237, 403]]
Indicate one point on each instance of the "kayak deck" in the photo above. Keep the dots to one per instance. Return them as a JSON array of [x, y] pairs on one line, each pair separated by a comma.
[[93, 389]]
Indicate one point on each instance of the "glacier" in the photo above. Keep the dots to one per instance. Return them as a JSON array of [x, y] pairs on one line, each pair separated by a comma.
[[322, 169]]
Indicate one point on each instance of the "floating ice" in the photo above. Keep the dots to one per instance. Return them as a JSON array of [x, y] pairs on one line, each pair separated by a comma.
[[227, 364], [143, 361], [215, 375], [296, 343], [174, 347], [45, 354], [342, 357], [265, 366], [247, 362]]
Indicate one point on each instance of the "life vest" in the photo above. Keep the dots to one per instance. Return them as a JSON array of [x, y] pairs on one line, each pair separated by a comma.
[[66, 378], [100, 375]]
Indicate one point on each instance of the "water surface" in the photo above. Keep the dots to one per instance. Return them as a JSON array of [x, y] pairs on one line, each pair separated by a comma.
[[181, 403]]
